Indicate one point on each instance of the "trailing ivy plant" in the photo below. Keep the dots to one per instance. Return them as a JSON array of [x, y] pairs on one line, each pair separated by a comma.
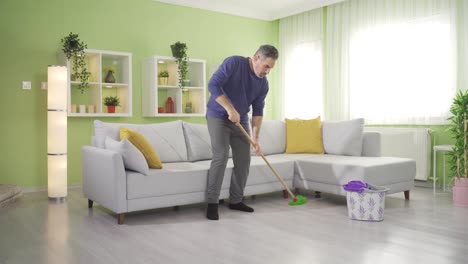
[[458, 129], [179, 51], [74, 48]]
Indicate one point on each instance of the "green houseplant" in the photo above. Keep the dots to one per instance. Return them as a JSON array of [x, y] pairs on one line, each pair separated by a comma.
[[111, 102], [74, 48], [179, 51], [458, 158], [163, 76]]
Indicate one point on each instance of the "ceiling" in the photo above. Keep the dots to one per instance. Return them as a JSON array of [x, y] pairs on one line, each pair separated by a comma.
[[259, 9]]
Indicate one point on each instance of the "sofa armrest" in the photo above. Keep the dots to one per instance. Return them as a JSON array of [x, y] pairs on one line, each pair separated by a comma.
[[371, 144], [104, 178]]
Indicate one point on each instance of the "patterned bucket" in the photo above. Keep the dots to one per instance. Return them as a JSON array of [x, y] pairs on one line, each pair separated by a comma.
[[368, 205]]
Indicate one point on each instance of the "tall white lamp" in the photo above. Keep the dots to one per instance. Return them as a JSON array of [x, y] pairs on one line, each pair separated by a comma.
[[57, 132]]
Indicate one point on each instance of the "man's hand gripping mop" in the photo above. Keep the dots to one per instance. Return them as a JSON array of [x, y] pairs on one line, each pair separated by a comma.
[[297, 200]]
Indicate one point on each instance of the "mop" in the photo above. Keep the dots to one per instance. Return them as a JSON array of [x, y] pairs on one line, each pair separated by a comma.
[[297, 200]]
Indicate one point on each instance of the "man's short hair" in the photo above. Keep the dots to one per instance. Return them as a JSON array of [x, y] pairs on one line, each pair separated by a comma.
[[268, 51]]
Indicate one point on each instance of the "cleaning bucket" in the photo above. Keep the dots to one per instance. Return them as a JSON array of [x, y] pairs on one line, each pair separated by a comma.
[[366, 202]]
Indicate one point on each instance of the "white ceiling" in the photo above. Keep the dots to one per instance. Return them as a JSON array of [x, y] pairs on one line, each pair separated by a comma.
[[259, 9]]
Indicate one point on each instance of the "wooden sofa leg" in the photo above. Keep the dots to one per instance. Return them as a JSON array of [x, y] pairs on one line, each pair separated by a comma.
[[318, 195], [285, 194], [121, 218], [406, 195], [90, 203]]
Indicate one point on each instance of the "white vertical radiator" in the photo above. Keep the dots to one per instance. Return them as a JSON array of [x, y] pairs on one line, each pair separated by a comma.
[[414, 143]]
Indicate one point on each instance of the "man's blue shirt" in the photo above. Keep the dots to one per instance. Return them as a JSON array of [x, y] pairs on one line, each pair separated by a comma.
[[238, 82]]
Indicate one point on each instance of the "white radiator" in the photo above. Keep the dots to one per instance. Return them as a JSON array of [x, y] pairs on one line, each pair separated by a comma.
[[414, 143]]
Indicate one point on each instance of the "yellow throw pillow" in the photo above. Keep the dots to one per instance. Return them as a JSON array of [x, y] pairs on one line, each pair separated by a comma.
[[139, 141], [304, 136]]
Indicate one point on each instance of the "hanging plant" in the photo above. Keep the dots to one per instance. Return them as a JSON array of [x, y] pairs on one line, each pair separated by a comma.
[[459, 129], [74, 48], [179, 51]]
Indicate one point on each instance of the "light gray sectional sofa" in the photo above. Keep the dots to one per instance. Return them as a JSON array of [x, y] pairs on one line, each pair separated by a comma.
[[184, 149]]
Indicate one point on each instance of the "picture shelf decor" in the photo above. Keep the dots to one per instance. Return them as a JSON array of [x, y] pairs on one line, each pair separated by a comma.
[[188, 101], [111, 75]]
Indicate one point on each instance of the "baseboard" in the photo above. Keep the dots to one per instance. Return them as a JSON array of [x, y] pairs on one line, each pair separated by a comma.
[[44, 188]]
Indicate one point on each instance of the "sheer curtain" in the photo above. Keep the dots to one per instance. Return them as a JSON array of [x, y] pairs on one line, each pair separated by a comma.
[[391, 62], [301, 78]]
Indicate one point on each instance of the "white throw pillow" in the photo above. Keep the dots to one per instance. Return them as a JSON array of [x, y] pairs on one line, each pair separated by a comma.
[[132, 157], [198, 141], [343, 137], [272, 137]]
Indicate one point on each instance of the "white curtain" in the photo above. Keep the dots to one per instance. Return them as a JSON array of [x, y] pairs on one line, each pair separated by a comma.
[[301, 78], [391, 61]]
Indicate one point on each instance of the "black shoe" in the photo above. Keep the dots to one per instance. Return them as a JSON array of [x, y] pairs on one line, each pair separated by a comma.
[[212, 211], [241, 207]]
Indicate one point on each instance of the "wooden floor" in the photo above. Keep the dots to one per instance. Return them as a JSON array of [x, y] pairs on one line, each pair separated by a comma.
[[426, 229]]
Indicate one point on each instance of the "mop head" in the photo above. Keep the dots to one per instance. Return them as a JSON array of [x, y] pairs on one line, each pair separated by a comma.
[[298, 201]]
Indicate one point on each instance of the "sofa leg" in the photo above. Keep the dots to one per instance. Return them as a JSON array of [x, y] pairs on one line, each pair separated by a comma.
[[221, 201], [318, 195], [406, 195], [121, 218], [90, 203], [254, 196], [285, 194]]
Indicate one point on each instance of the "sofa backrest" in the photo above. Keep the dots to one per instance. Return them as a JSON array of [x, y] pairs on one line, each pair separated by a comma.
[[166, 138]]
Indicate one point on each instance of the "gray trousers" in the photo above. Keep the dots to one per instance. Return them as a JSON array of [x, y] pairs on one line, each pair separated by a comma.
[[224, 134]]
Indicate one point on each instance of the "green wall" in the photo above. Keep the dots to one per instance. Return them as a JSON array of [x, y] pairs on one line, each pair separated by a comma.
[[30, 33]]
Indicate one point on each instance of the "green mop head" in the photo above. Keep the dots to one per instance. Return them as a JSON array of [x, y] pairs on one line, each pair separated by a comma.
[[299, 200]]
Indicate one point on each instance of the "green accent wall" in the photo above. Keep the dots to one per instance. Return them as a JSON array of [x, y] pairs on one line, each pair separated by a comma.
[[31, 31]]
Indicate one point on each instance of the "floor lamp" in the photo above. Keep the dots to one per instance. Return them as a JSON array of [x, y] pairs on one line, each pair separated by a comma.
[[57, 132]]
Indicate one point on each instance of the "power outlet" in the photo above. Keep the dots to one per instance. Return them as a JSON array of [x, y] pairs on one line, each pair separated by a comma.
[[26, 85]]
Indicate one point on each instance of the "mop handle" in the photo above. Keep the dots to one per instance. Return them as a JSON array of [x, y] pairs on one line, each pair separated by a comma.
[[268, 163]]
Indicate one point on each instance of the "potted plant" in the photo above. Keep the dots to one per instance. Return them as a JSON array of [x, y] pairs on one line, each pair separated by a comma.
[[458, 160], [111, 102], [74, 48], [179, 51], [110, 70], [163, 76]]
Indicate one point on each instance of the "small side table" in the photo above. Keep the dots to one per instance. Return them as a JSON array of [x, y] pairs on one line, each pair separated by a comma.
[[443, 148]]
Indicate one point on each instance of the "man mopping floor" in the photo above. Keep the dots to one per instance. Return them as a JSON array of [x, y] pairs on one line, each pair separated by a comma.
[[240, 82]]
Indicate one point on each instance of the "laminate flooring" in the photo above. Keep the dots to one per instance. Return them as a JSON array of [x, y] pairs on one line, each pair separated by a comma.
[[426, 229]]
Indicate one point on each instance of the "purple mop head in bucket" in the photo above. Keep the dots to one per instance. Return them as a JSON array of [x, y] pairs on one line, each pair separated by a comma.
[[355, 186]]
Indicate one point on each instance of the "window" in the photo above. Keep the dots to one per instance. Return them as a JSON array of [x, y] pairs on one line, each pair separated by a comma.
[[403, 73], [303, 96]]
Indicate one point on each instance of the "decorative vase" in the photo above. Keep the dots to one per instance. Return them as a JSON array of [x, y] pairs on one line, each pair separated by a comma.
[[160, 110], [163, 80], [111, 109], [91, 109], [110, 77], [73, 108], [169, 105], [460, 192]]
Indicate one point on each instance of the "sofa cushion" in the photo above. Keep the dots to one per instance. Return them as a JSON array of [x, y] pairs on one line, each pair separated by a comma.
[[197, 139], [167, 138], [343, 137], [259, 172], [132, 157], [174, 179], [142, 145], [272, 137], [304, 136], [339, 170]]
